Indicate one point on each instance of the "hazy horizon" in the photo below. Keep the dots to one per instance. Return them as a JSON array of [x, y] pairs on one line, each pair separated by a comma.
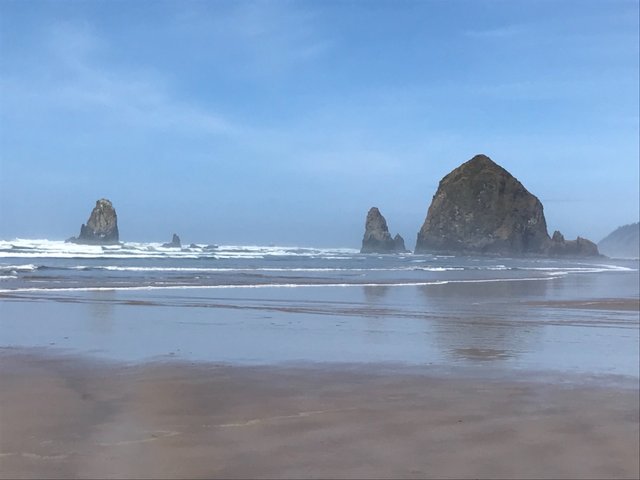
[[284, 122]]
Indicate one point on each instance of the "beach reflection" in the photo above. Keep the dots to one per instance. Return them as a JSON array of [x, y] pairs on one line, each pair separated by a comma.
[[475, 293], [482, 322], [374, 294], [100, 306]]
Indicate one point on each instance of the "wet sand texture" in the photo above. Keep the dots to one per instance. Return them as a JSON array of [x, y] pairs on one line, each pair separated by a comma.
[[66, 417]]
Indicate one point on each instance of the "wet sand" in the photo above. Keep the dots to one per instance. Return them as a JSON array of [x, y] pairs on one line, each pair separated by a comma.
[[64, 416], [611, 304]]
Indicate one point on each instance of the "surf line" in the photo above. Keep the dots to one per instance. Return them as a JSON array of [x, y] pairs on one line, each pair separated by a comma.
[[270, 285]]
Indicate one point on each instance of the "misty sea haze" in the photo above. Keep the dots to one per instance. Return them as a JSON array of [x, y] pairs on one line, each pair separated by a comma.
[[255, 305]]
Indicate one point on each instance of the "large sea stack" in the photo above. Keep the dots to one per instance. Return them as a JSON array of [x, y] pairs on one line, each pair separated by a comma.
[[377, 238], [480, 208], [102, 226]]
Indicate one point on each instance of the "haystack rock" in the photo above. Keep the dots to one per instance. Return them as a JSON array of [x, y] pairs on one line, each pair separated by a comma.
[[174, 243], [377, 238], [102, 226], [480, 208]]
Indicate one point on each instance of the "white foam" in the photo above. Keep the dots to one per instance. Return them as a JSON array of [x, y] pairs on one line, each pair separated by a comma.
[[590, 269], [268, 285], [118, 268], [42, 248], [18, 268]]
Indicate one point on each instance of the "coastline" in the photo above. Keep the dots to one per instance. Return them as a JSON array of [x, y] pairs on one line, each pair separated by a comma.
[[71, 416], [381, 366]]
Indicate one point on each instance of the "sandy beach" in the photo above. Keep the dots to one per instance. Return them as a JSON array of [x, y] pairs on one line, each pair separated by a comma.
[[66, 416], [332, 365]]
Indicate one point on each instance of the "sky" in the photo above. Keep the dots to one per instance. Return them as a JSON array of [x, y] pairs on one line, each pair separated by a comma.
[[284, 122]]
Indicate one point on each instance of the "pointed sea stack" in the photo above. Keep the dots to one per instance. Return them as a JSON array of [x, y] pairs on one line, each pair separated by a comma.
[[398, 243], [480, 208], [377, 238], [102, 226], [174, 243]]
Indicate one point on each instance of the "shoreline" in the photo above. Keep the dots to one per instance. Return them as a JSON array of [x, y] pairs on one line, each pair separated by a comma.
[[482, 371], [612, 304], [72, 416]]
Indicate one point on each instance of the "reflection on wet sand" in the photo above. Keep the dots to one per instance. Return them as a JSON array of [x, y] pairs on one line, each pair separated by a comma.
[[482, 354], [453, 324], [373, 294], [491, 324], [100, 306], [470, 295], [613, 304]]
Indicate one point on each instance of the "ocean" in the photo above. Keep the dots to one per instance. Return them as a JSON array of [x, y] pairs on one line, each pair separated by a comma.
[[264, 305]]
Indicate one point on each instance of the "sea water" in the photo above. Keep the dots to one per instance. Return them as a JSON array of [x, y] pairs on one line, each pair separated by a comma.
[[272, 305]]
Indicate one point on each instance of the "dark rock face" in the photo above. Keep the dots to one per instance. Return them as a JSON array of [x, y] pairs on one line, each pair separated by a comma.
[[174, 243], [377, 238], [480, 208], [623, 242], [102, 226], [398, 243]]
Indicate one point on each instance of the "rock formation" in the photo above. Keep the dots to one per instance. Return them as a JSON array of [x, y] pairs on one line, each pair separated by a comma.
[[102, 226], [398, 243], [480, 208], [174, 243], [377, 238], [623, 242], [580, 247]]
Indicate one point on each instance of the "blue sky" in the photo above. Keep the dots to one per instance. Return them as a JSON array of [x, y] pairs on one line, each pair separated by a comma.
[[283, 122]]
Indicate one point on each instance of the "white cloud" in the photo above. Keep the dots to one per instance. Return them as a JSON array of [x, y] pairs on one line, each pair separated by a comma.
[[69, 78], [263, 38]]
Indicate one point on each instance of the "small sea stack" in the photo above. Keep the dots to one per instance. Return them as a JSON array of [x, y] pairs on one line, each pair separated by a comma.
[[174, 243], [102, 226], [580, 247], [377, 238], [398, 243]]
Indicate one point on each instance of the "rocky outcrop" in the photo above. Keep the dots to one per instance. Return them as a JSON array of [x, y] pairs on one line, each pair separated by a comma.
[[398, 243], [102, 226], [623, 242], [480, 208], [174, 243], [580, 247], [377, 238]]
